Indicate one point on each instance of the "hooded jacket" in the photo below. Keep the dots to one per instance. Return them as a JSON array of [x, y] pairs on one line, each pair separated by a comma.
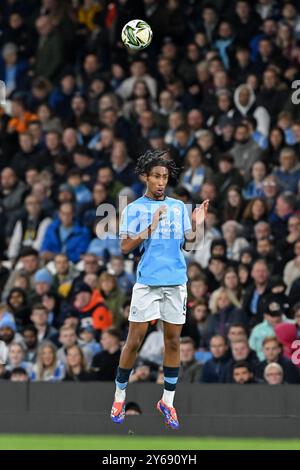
[[251, 109], [96, 313], [287, 334]]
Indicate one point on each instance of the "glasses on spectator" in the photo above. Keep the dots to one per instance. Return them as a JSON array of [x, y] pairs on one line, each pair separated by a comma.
[[270, 183], [273, 374]]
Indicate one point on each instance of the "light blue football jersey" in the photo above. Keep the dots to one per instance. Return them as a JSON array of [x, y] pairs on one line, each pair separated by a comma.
[[162, 262]]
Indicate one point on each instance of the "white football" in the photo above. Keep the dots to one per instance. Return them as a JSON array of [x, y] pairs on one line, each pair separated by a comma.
[[136, 34]]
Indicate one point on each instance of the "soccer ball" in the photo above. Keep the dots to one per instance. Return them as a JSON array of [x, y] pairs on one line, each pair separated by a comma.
[[136, 34]]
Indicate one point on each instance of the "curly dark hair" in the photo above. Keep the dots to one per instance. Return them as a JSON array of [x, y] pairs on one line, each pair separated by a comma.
[[153, 158]]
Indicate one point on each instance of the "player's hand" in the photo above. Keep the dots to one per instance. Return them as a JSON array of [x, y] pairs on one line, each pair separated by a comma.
[[158, 215], [200, 213]]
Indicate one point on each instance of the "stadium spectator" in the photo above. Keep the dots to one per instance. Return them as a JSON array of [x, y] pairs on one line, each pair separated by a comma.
[[105, 363], [241, 351], [91, 308], [273, 374], [242, 373], [65, 235], [76, 369], [190, 369], [47, 368], [273, 354], [273, 315], [213, 369]]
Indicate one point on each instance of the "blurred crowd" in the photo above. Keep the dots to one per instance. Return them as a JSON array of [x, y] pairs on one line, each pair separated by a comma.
[[217, 88]]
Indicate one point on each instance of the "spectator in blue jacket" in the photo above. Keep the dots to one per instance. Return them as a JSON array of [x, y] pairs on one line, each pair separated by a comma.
[[288, 173], [12, 70], [65, 235]]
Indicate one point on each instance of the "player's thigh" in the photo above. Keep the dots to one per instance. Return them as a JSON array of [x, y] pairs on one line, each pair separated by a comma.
[[172, 331], [174, 305], [145, 303], [136, 334]]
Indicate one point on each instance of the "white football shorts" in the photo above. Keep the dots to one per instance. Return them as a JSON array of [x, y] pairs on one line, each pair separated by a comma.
[[166, 303]]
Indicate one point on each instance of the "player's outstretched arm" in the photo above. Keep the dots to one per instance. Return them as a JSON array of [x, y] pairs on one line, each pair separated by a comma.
[[131, 242]]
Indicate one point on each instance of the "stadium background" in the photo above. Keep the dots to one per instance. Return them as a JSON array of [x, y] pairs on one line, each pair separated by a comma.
[[214, 88]]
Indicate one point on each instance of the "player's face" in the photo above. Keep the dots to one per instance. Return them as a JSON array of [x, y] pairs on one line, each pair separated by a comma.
[[157, 181]]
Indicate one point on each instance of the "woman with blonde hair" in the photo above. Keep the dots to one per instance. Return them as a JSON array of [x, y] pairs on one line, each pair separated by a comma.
[[224, 315], [47, 367], [231, 284]]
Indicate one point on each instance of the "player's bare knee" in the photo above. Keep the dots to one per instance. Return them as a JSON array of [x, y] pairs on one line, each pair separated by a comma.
[[133, 344], [172, 344]]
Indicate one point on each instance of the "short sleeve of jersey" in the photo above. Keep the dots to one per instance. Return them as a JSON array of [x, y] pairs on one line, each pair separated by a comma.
[[130, 223], [187, 227]]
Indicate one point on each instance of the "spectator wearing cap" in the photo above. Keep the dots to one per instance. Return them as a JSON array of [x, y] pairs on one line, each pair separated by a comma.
[[8, 332], [13, 71], [65, 235], [43, 281], [91, 307], [272, 351], [273, 315], [105, 363]]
